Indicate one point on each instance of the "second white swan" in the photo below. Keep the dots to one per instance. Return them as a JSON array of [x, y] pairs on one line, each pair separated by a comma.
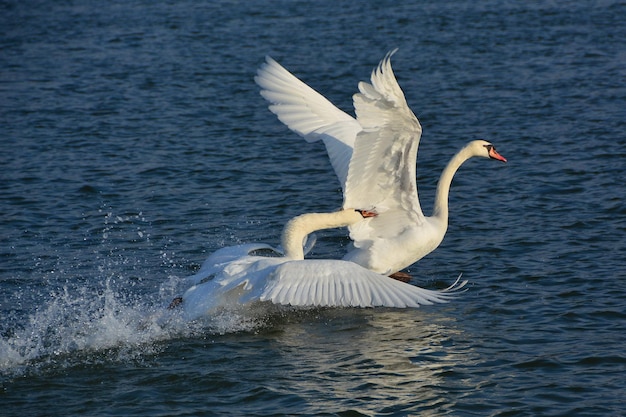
[[374, 157], [234, 277]]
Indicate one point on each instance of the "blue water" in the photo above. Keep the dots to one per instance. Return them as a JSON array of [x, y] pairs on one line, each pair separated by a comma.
[[134, 143]]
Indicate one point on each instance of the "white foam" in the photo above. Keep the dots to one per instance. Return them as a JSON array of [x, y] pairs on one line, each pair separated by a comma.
[[82, 324]]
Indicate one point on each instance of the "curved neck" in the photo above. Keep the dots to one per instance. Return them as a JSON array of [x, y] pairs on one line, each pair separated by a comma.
[[440, 208], [297, 229]]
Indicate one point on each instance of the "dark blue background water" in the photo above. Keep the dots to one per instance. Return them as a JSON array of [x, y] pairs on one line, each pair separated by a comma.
[[134, 143]]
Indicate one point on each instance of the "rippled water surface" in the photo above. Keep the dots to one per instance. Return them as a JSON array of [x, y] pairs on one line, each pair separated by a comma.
[[134, 143]]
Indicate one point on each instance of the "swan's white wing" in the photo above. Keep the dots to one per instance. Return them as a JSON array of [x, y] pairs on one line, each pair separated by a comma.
[[335, 283], [305, 283], [309, 114], [382, 173]]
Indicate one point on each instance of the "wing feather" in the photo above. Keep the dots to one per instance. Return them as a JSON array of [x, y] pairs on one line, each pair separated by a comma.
[[309, 114], [382, 172], [337, 283]]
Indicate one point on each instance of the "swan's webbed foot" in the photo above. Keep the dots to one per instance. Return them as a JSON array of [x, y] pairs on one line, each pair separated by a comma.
[[175, 303], [401, 276]]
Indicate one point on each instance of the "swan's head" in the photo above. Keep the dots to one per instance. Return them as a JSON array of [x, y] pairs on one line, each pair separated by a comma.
[[486, 149]]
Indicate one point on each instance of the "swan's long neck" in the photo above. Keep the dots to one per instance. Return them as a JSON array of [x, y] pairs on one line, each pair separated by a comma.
[[440, 209], [297, 229]]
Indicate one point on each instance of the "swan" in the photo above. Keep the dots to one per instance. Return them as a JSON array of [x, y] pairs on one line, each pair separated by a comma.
[[235, 276], [374, 157]]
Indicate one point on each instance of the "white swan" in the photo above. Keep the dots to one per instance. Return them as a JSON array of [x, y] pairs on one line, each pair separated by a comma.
[[232, 277], [374, 157]]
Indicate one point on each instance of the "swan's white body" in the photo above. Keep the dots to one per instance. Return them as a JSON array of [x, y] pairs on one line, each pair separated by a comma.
[[233, 277], [374, 157]]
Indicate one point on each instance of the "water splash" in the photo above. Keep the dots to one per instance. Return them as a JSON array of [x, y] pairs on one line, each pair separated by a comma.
[[82, 325], [73, 321], [106, 308]]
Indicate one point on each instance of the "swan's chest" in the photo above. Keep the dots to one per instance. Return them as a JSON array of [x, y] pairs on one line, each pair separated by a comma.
[[422, 240], [410, 246], [397, 248]]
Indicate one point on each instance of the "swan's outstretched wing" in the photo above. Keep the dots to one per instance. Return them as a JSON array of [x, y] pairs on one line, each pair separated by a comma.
[[309, 114], [334, 283], [305, 283], [382, 172]]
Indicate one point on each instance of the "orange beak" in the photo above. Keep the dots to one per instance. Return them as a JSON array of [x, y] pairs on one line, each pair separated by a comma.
[[493, 154], [367, 213]]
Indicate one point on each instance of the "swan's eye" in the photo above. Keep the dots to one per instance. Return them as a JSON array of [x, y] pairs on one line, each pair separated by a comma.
[[489, 147]]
